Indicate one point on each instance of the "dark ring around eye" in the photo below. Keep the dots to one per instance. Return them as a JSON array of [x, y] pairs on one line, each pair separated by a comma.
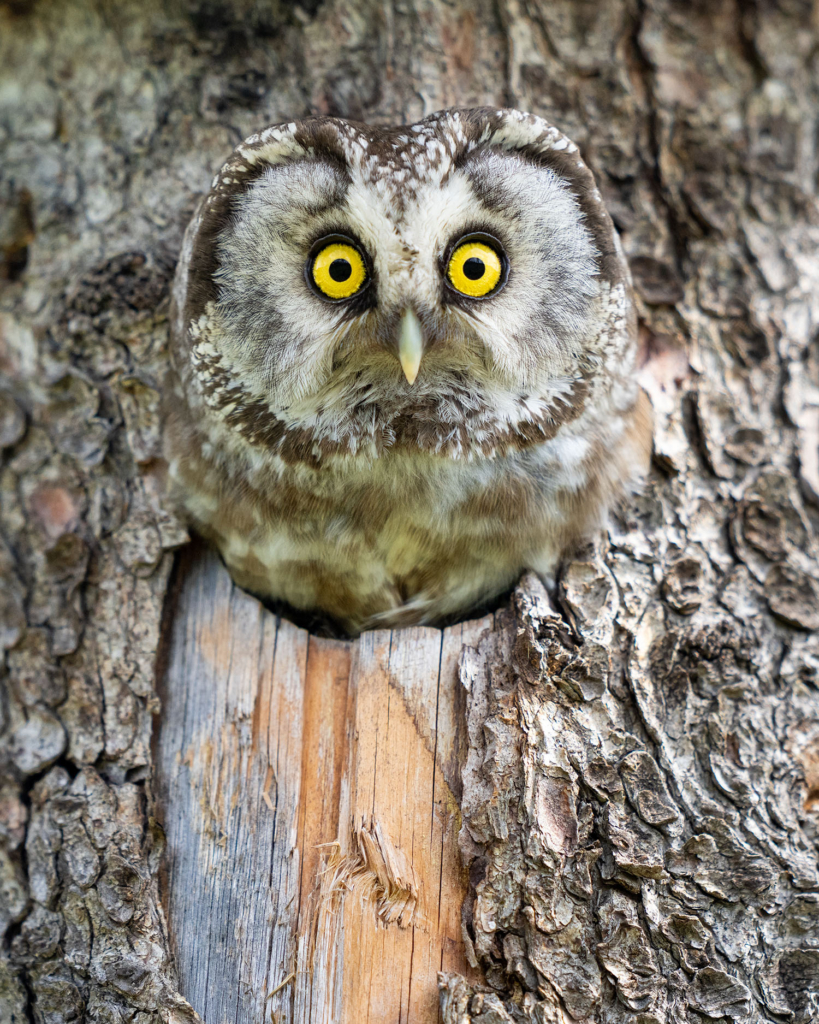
[[342, 239], [487, 239]]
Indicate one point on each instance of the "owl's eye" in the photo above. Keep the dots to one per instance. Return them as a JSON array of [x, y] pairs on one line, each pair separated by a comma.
[[338, 270], [475, 269]]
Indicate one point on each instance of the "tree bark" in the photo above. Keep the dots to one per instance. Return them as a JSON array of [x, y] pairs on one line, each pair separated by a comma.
[[639, 770]]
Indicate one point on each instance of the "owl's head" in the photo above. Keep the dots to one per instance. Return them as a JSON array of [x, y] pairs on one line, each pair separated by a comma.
[[454, 285]]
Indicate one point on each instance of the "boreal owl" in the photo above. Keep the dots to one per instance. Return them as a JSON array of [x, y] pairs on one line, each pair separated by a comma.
[[403, 363]]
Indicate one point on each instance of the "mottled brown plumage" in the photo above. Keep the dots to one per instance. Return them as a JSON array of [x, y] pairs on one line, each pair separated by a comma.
[[401, 453]]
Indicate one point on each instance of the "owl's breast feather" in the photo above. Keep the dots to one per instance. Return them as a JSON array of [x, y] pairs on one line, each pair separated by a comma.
[[410, 537]]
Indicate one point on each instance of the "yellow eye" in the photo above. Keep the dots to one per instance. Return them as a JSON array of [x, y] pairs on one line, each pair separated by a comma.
[[474, 269], [339, 271]]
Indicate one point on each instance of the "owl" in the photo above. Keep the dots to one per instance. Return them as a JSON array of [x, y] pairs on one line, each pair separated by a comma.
[[403, 364]]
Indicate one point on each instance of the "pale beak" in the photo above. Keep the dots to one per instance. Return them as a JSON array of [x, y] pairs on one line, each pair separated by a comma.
[[410, 345]]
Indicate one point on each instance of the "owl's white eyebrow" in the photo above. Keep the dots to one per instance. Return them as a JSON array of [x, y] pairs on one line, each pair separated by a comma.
[[309, 186]]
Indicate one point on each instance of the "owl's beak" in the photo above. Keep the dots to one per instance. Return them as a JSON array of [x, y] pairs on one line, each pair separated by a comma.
[[410, 345]]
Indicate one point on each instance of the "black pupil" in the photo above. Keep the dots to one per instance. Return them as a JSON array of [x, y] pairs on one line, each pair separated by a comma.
[[474, 268], [340, 270]]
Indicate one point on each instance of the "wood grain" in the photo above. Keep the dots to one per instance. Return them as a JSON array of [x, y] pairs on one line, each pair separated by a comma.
[[309, 789]]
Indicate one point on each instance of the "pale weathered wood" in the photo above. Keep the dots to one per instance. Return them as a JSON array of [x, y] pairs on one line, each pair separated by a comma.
[[230, 749], [309, 789]]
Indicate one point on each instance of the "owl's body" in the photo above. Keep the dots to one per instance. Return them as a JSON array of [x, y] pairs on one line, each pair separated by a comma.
[[403, 363]]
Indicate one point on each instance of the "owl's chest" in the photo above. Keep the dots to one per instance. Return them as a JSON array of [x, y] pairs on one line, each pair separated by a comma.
[[365, 541]]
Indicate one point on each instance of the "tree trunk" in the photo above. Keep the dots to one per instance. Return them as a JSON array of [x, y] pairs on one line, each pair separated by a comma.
[[598, 805]]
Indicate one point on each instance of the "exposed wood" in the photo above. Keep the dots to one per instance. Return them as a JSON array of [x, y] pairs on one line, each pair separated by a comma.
[[310, 793]]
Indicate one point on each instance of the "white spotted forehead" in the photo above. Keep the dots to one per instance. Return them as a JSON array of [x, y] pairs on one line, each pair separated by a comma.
[[424, 153]]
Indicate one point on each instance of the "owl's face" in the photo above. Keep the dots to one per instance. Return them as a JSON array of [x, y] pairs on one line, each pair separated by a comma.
[[439, 284]]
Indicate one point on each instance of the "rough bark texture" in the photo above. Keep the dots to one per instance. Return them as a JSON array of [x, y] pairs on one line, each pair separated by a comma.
[[642, 769]]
